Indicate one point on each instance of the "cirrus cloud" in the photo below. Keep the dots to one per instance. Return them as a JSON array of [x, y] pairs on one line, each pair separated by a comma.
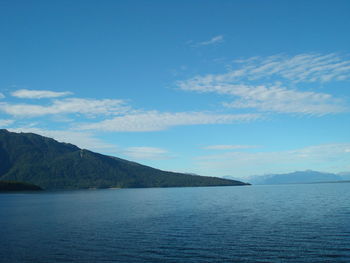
[[212, 41], [90, 107], [38, 94], [327, 157], [6, 122], [146, 153], [158, 121], [229, 147], [250, 85], [84, 140]]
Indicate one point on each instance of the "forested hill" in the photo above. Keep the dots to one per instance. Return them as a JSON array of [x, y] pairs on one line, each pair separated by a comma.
[[31, 158]]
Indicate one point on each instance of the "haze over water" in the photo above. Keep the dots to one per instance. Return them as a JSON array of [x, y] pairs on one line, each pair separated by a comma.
[[285, 223]]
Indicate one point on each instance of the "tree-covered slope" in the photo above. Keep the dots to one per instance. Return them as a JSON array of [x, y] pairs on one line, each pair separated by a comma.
[[32, 158]]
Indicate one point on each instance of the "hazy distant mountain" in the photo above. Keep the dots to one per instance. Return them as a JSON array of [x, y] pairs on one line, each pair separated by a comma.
[[296, 178], [345, 175], [31, 158]]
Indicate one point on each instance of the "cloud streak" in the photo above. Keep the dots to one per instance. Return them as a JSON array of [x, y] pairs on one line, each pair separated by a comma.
[[214, 40], [38, 94], [146, 153], [283, 100], [115, 115], [327, 157], [229, 147], [90, 107], [300, 68], [274, 98], [84, 140], [158, 121], [250, 86], [5, 123]]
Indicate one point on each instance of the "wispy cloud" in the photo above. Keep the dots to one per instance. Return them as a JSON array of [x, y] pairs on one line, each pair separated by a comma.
[[90, 107], [115, 115], [2, 96], [300, 68], [214, 40], [157, 121], [146, 153], [283, 100], [250, 85], [274, 98], [326, 157], [85, 140], [5, 123], [38, 94], [88, 140], [229, 147]]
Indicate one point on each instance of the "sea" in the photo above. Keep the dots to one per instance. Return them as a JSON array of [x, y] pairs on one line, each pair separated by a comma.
[[271, 223]]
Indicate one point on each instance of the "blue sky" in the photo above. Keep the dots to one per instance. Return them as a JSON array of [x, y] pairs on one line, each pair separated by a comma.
[[219, 88]]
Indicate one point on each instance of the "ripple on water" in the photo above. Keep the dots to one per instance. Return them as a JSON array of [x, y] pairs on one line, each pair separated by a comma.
[[290, 223]]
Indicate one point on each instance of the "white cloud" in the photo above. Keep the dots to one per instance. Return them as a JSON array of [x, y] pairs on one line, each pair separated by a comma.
[[38, 94], [89, 107], [326, 157], [283, 100], [243, 85], [2, 96], [84, 140], [212, 41], [5, 123], [229, 147], [300, 68], [87, 140], [274, 98], [146, 153], [157, 121]]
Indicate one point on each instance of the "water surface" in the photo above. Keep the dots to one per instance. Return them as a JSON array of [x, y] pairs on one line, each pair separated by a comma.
[[285, 223]]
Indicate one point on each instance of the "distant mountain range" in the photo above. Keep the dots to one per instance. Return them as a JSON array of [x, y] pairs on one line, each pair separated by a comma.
[[299, 177], [31, 158]]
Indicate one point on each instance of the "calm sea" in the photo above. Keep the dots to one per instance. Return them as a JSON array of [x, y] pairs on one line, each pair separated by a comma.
[[286, 223]]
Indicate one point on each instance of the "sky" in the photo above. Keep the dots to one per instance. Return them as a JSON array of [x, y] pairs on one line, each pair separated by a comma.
[[217, 88]]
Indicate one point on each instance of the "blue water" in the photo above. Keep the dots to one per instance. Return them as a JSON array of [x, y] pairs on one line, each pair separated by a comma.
[[286, 223]]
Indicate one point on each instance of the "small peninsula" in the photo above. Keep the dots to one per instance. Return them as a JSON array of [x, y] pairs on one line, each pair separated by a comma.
[[9, 186]]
